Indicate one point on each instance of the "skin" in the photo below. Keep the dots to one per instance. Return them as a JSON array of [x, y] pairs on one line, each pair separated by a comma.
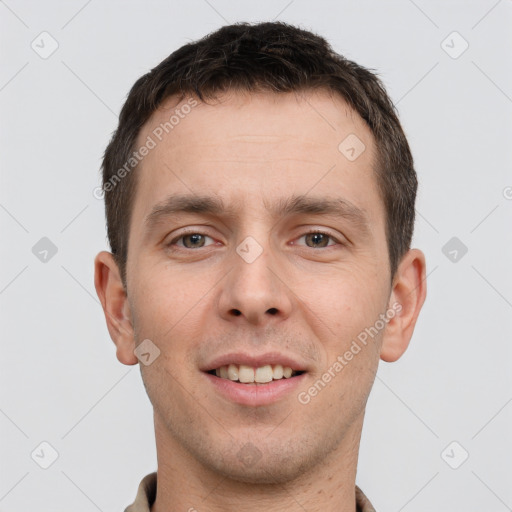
[[307, 298]]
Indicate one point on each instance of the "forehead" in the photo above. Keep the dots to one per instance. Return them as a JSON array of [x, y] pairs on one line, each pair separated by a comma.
[[241, 120], [253, 150]]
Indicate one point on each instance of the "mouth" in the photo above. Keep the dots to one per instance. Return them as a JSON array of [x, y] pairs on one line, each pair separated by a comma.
[[255, 380], [260, 375]]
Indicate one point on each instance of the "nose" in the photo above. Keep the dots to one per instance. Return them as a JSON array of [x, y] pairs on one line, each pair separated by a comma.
[[255, 291]]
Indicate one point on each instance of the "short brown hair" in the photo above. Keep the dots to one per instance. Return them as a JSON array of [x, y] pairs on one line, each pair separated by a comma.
[[274, 57]]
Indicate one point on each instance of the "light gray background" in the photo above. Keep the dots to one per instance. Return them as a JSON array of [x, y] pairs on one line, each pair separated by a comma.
[[60, 380]]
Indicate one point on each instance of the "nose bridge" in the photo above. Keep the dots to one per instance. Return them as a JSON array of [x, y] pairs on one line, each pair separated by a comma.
[[253, 289]]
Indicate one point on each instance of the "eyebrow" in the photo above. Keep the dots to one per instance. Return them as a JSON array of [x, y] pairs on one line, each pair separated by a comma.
[[294, 205]]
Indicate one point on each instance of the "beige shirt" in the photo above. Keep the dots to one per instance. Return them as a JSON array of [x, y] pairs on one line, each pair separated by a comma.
[[147, 492]]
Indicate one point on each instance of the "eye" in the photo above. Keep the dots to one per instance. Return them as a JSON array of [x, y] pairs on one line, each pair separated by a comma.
[[195, 240], [190, 240], [319, 239]]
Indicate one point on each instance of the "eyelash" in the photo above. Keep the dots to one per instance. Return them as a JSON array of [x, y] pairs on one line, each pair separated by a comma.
[[316, 231]]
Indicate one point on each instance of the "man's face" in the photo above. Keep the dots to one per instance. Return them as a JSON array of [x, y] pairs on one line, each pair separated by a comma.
[[252, 281]]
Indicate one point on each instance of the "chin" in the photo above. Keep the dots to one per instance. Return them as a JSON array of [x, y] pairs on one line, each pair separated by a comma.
[[266, 467]]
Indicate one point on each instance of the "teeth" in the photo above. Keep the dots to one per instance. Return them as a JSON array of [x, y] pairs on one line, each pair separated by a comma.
[[232, 372], [278, 371], [263, 374], [247, 374]]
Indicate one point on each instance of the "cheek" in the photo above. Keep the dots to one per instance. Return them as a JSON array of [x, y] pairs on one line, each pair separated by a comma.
[[341, 312], [167, 300], [344, 300]]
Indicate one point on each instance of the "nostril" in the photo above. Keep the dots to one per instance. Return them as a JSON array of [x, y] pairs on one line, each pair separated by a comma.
[[272, 311]]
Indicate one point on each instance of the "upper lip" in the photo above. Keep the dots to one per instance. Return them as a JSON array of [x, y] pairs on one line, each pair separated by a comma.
[[254, 361]]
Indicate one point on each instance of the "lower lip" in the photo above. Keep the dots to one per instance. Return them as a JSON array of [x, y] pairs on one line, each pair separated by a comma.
[[255, 394]]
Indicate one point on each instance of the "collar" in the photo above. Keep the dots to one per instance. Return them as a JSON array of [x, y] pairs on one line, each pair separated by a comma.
[[146, 495]]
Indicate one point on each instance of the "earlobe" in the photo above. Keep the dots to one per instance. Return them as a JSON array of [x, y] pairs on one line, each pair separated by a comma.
[[112, 295], [408, 292]]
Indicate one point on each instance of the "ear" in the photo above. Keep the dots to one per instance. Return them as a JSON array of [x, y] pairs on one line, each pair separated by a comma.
[[112, 294], [408, 294]]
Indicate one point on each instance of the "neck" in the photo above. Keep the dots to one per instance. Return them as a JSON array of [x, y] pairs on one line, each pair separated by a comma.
[[185, 484]]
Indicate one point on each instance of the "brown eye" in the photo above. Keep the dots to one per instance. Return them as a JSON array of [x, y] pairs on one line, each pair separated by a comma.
[[190, 241], [317, 239], [193, 241]]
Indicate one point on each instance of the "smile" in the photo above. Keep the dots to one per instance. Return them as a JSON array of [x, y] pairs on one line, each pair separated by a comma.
[[250, 375]]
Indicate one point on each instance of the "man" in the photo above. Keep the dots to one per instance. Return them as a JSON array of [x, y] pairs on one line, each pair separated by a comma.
[[259, 196]]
